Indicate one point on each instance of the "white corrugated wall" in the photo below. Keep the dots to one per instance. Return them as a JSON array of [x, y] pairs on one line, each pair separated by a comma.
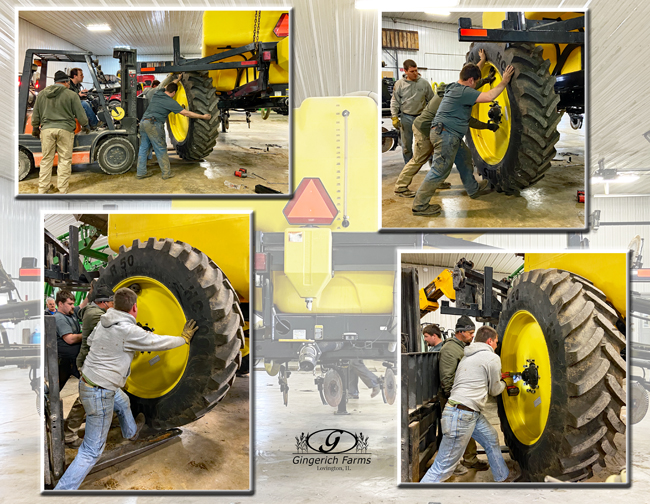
[[440, 52]]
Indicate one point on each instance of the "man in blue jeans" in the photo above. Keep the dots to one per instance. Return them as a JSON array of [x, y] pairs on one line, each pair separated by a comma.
[[113, 344], [152, 126], [76, 79], [478, 374], [448, 128]]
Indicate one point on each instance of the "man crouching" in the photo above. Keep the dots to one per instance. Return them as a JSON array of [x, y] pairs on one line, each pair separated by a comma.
[[113, 344]]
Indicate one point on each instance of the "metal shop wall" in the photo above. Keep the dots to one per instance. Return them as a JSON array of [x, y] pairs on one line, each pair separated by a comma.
[[439, 50], [33, 37]]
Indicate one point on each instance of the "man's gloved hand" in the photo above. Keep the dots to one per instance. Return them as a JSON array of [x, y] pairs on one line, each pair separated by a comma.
[[396, 123], [86, 130], [492, 126], [492, 74], [189, 329], [36, 132]]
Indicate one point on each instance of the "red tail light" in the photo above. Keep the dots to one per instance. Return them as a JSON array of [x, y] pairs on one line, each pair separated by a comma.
[[311, 204], [29, 274], [282, 28], [261, 262], [476, 32]]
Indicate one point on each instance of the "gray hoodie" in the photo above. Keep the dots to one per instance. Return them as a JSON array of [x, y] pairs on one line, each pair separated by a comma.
[[113, 344], [410, 97], [478, 374]]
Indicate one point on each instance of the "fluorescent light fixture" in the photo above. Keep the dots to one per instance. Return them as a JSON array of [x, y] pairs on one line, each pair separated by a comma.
[[99, 27], [405, 5], [438, 12], [620, 179]]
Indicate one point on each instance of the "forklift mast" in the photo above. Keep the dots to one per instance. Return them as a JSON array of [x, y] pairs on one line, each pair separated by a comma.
[[128, 69]]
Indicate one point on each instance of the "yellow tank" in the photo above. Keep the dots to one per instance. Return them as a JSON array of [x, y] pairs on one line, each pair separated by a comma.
[[492, 20], [224, 238], [320, 149], [604, 270], [223, 30]]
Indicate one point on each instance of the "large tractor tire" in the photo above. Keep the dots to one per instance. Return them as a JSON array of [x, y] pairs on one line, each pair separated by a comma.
[[176, 283], [520, 152], [194, 139], [567, 425]]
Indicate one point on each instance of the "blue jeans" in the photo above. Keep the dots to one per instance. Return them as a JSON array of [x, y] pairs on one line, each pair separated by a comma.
[[152, 135], [406, 135], [92, 118], [99, 404], [458, 426], [447, 150]]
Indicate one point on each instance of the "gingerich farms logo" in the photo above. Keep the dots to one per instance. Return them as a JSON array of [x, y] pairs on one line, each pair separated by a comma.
[[332, 450]]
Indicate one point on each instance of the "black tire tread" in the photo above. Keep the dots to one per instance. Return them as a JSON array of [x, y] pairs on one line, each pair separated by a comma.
[[535, 120], [214, 357], [587, 377], [202, 135]]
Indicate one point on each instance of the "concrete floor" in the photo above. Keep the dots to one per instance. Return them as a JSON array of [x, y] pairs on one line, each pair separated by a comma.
[[614, 464], [211, 454], [240, 147], [278, 480], [551, 203]]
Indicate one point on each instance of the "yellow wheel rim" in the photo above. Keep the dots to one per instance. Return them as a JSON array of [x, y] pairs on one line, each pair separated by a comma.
[[179, 124], [154, 374], [492, 146], [527, 413]]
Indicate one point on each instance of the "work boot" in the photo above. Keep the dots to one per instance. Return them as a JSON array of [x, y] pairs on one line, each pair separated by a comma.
[[139, 423], [375, 391], [483, 188], [444, 185], [460, 470], [52, 190], [479, 465], [75, 443], [353, 396], [406, 193], [146, 175], [171, 175], [430, 211]]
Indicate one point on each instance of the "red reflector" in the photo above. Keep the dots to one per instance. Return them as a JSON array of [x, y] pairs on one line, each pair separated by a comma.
[[282, 28], [643, 273], [311, 204], [248, 63], [266, 56], [148, 69], [31, 273], [474, 32], [260, 261]]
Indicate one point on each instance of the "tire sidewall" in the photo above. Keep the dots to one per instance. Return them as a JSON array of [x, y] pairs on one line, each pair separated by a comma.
[[171, 272], [539, 459], [127, 146], [184, 145], [501, 58]]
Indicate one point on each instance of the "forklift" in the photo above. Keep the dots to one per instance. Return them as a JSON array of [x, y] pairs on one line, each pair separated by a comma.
[[113, 148]]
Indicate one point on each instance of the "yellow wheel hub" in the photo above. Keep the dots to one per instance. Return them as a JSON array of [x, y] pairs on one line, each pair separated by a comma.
[[492, 146], [527, 413], [179, 124], [154, 374]]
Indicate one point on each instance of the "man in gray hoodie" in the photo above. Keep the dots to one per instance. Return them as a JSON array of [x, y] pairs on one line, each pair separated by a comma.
[[410, 95], [478, 374], [53, 120], [113, 344]]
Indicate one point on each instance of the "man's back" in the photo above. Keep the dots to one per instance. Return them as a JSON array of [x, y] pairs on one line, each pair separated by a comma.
[[456, 108], [58, 107], [478, 374]]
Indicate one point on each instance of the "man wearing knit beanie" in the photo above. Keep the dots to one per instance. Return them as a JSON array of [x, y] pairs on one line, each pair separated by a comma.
[[452, 351], [53, 120]]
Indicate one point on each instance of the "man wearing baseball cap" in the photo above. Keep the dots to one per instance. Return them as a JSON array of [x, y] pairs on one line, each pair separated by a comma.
[[452, 351], [53, 120], [101, 300]]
